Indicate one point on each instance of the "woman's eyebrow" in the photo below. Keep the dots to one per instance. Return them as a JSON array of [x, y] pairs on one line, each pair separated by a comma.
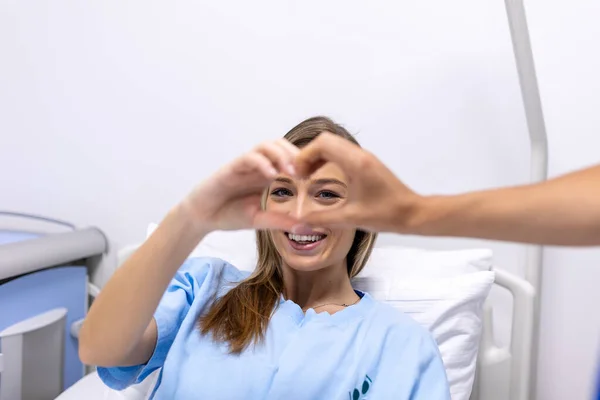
[[283, 180], [321, 181], [325, 181]]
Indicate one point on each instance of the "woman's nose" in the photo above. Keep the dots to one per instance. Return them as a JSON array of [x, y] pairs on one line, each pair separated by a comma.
[[301, 206]]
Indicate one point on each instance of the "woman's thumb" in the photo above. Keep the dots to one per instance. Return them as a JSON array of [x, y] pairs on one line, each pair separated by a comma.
[[274, 220], [336, 218]]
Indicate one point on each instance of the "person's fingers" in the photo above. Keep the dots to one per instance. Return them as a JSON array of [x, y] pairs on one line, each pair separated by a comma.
[[292, 151], [328, 148], [274, 220], [258, 161], [336, 218], [287, 146], [280, 156]]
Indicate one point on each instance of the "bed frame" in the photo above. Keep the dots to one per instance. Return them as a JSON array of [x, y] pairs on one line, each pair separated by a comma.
[[43, 272], [510, 373]]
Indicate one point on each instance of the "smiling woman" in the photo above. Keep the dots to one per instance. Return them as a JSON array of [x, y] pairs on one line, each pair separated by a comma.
[[293, 329], [312, 267]]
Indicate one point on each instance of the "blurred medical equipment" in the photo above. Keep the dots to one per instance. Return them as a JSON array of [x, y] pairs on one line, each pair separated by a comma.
[[43, 299]]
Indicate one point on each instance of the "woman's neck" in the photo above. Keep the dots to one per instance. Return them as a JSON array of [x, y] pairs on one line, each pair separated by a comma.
[[308, 289]]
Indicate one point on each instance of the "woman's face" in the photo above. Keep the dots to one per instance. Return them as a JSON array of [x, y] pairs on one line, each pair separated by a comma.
[[322, 246]]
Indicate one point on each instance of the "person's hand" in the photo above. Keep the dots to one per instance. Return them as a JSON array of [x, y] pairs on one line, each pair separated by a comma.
[[230, 199], [377, 200]]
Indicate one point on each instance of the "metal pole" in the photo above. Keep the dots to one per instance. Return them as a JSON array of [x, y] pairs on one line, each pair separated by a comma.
[[539, 161]]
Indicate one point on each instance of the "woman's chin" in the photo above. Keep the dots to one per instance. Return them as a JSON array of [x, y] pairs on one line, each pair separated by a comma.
[[305, 263]]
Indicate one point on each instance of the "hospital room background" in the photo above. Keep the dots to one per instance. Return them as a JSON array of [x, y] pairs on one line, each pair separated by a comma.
[[110, 112]]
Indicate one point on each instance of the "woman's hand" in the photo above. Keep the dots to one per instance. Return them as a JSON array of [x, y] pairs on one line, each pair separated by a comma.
[[119, 330], [231, 198]]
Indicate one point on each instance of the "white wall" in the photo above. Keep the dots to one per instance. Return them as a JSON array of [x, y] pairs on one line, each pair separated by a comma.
[[111, 112], [565, 36]]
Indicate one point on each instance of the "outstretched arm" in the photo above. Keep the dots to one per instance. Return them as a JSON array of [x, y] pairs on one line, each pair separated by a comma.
[[562, 211], [119, 329]]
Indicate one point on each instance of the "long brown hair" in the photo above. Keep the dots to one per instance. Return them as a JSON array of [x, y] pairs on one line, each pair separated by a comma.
[[242, 315]]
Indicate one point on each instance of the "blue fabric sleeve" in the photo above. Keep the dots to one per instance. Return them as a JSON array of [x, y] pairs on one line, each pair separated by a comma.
[[410, 367], [432, 382], [169, 316]]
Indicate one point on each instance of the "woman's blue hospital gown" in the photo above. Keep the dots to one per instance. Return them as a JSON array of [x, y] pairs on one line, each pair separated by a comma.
[[365, 351]]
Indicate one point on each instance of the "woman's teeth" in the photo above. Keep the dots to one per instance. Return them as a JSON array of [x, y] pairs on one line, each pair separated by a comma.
[[305, 238]]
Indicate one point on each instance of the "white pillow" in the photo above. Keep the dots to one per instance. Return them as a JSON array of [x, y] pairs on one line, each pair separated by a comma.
[[406, 262], [442, 290], [236, 247]]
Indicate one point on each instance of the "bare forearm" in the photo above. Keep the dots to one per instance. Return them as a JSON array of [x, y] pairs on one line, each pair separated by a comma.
[[124, 309], [563, 211]]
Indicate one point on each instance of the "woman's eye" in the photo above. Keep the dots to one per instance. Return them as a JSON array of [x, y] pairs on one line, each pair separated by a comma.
[[281, 192], [326, 194]]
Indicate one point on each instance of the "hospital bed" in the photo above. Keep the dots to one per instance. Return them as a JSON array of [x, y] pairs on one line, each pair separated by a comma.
[[57, 268], [45, 284], [43, 300], [494, 378]]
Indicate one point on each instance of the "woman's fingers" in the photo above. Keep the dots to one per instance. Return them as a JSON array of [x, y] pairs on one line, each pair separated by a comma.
[[259, 162], [280, 155], [329, 148], [271, 158], [274, 220], [291, 149], [264, 219], [339, 217]]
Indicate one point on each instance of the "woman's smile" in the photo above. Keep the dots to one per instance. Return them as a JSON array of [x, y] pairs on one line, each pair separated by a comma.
[[306, 244]]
